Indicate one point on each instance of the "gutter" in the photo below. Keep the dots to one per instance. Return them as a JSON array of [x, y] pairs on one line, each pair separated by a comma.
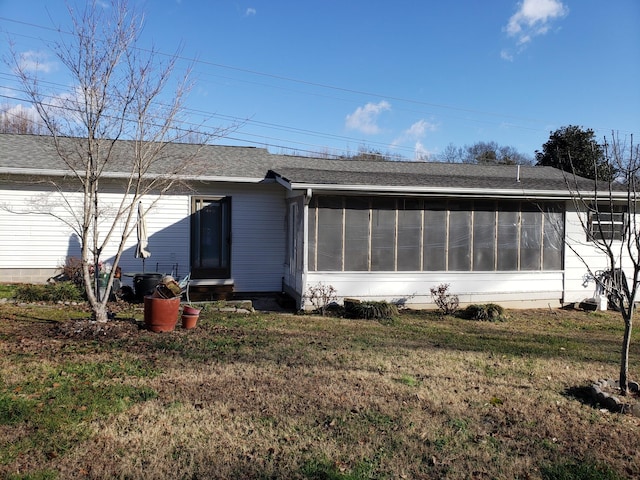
[[122, 175], [452, 192], [444, 191]]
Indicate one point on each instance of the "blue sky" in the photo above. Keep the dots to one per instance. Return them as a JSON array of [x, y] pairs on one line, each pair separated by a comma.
[[406, 77]]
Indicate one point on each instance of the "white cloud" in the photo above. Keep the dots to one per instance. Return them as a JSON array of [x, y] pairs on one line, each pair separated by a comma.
[[420, 128], [18, 110], [534, 18], [415, 132], [32, 61], [506, 55], [364, 118], [421, 152], [249, 12]]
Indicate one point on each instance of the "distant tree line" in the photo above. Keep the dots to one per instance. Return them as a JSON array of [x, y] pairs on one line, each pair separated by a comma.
[[483, 153], [571, 148], [370, 154], [16, 119]]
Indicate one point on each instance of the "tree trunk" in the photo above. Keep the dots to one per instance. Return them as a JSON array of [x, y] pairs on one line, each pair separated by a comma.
[[624, 358], [100, 312]]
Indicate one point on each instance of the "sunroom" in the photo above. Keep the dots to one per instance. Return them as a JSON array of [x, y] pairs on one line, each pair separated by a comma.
[[493, 235]]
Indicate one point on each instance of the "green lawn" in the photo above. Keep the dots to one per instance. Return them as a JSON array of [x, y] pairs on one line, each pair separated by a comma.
[[309, 397]]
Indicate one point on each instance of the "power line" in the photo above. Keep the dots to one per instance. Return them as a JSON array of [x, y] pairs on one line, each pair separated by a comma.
[[192, 60], [306, 83], [264, 140]]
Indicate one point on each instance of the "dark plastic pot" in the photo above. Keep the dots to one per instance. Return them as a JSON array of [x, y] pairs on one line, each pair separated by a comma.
[[145, 283]]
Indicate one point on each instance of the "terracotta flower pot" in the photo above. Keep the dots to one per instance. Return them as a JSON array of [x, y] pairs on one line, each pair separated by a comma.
[[187, 310], [161, 314], [189, 321]]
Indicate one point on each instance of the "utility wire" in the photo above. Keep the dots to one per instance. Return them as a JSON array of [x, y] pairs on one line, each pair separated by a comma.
[[197, 61], [264, 140]]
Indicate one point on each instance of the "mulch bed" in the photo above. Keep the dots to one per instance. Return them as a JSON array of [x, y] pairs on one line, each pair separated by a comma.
[[89, 329]]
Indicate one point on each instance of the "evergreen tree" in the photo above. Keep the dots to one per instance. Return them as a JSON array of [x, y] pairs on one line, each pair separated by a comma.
[[575, 150]]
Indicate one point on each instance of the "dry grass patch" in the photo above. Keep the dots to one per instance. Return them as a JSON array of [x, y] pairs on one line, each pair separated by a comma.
[[269, 396]]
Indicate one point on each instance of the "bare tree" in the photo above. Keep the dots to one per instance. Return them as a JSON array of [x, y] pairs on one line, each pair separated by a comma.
[[451, 154], [121, 92], [17, 119], [483, 153], [369, 154], [608, 217]]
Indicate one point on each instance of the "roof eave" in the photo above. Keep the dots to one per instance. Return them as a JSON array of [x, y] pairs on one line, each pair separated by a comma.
[[124, 175], [451, 192]]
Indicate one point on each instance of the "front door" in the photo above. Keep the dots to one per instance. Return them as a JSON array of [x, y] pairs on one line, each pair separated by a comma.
[[211, 238]]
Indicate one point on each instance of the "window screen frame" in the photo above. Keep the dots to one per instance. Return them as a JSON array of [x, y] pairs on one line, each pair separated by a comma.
[[432, 243], [601, 229]]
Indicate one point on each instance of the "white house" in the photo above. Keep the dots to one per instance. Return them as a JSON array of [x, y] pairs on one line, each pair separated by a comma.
[[254, 222]]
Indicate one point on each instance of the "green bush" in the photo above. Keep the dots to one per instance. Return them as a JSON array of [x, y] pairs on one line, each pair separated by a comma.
[[8, 291], [370, 310], [50, 292], [490, 312]]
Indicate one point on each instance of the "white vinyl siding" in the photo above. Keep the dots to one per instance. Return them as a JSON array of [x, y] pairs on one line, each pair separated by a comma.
[[40, 243], [258, 238], [510, 289]]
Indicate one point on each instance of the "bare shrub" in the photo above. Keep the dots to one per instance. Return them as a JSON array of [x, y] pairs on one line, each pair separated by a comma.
[[447, 302], [321, 296], [72, 270]]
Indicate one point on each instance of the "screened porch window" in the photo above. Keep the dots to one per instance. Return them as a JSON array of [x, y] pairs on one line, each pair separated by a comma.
[[400, 234], [409, 243], [435, 238]]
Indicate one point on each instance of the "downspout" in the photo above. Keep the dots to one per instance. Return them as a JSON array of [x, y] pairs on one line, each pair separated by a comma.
[[305, 247], [564, 254]]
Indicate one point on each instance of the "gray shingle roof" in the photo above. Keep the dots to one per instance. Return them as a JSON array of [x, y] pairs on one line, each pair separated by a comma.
[[37, 155], [431, 175]]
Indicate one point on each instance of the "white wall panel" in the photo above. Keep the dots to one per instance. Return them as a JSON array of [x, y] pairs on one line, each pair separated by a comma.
[[38, 241], [584, 253], [516, 289], [29, 239]]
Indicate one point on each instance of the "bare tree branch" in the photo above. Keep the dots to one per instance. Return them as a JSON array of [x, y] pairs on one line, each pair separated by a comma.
[[122, 116]]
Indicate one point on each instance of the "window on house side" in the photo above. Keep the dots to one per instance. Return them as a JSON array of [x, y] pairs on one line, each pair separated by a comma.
[[606, 223]]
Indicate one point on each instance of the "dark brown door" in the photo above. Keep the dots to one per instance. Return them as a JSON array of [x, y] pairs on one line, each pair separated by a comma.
[[211, 238]]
